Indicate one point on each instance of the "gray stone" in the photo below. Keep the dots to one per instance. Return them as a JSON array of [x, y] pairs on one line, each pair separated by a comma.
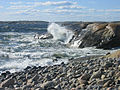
[[48, 85], [96, 74], [102, 82], [7, 82], [26, 87], [85, 76], [108, 64], [58, 87]]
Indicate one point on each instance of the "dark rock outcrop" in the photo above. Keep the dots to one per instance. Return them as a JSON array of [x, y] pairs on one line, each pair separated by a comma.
[[44, 36], [101, 35]]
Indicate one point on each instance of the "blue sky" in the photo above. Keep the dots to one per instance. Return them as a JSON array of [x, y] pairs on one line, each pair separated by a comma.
[[60, 10]]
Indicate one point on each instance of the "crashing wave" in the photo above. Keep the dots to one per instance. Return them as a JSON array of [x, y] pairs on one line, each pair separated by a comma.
[[60, 33]]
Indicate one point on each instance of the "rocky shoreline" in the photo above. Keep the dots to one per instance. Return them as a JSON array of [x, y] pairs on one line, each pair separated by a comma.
[[79, 74], [100, 73]]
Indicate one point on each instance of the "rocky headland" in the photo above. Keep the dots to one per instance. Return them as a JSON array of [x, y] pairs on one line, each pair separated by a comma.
[[104, 35]]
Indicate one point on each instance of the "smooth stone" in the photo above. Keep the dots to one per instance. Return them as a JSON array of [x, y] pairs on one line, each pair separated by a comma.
[[96, 74], [103, 77], [7, 72], [48, 77], [107, 83], [85, 76], [102, 82], [48, 85], [108, 64], [7, 82], [28, 67], [27, 87], [83, 82], [58, 87]]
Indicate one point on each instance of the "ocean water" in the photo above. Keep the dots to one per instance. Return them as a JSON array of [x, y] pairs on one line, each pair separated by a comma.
[[20, 49]]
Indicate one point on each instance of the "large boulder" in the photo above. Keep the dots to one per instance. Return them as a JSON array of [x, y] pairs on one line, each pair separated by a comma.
[[101, 35], [7, 83], [44, 36]]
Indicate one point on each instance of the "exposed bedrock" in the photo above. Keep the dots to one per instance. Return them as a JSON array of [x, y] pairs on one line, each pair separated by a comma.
[[101, 35], [104, 35]]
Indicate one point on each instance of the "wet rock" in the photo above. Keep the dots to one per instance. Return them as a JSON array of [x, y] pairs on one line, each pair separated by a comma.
[[7, 83], [27, 87], [118, 82], [4, 74], [55, 60], [110, 88], [48, 77], [96, 74], [103, 77], [35, 78], [108, 64], [78, 88], [28, 67], [48, 85], [102, 82], [107, 84], [103, 35], [2, 88], [85, 76], [7, 72], [58, 87], [83, 82], [45, 36]]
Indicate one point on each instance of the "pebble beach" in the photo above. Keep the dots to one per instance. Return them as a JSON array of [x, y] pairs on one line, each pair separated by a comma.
[[88, 74]]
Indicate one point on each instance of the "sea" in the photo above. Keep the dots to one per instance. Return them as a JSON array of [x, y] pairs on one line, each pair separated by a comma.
[[19, 46]]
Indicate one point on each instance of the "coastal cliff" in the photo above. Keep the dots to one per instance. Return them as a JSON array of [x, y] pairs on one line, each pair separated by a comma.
[[104, 35]]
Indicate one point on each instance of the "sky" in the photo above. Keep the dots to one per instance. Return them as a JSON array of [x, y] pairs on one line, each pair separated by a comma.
[[60, 10]]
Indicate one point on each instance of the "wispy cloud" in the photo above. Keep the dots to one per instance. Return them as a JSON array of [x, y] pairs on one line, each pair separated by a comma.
[[20, 7], [71, 7], [111, 10], [16, 3], [35, 7], [54, 3], [104, 10]]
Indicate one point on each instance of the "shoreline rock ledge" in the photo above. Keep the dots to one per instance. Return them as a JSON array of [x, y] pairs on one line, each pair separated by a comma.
[[104, 35]]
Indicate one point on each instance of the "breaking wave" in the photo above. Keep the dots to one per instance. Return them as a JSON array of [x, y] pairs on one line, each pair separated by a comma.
[[60, 33]]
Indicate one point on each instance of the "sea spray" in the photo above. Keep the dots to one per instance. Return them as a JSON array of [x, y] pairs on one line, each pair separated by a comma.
[[60, 33], [78, 40], [22, 50]]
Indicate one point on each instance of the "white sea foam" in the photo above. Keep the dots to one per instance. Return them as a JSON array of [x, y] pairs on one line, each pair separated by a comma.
[[60, 33], [76, 44], [23, 50], [78, 40]]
